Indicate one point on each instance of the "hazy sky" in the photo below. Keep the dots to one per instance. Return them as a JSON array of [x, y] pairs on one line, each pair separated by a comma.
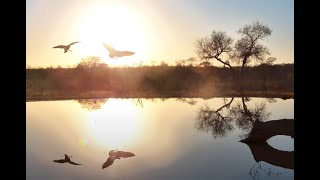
[[157, 30]]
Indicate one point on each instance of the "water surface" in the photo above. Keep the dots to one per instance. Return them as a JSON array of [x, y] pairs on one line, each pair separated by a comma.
[[171, 138]]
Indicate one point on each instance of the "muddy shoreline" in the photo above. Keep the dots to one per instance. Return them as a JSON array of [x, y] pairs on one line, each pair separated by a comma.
[[107, 94]]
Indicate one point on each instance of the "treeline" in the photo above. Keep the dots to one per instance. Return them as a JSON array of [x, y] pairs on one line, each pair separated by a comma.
[[160, 79]]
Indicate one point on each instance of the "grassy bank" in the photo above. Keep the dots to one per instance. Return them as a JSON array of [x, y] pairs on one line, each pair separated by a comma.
[[156, 81]]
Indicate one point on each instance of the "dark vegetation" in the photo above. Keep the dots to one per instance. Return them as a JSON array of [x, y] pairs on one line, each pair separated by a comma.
[[97, 79]]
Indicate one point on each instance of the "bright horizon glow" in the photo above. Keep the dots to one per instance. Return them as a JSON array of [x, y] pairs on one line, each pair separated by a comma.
[[112, 25], [155, 30]]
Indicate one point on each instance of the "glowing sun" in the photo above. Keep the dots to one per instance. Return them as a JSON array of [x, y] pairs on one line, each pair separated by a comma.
[[115, 25]]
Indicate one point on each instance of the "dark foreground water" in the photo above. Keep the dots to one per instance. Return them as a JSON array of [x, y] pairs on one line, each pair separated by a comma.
[[171, 139]]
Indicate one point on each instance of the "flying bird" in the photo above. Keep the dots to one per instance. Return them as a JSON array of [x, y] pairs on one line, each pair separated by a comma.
[[66, 47], [66, 160], [115, 53], [113, 155]]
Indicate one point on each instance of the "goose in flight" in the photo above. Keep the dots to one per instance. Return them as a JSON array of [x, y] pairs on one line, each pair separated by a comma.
[[113, 155], [115, 53], [66, 160], [66, 47]]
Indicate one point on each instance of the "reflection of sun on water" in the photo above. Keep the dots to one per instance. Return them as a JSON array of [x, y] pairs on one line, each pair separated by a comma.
[[116, 124], [83, 142], [115, 25]]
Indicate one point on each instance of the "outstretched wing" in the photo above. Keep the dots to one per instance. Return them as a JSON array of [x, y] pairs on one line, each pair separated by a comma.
[[125, 53], [109, 48], [59, 161], [124, 154], [109, 162], [59, 46], [73, 43], [112, 153], [74, 163]]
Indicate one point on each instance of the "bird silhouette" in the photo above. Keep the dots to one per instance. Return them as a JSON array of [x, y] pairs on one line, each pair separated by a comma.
[[66, 160], [113, 155], [115, 53], [66, 47]]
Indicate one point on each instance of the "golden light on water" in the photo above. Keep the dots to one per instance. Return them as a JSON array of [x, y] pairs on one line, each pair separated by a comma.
[[83, 142], [116, 124]]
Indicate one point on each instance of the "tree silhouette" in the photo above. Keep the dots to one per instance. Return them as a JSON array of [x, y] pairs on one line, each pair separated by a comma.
[[187, 62], [270, 61], [215, 46], [90, 62], [219, 46], [248, 48]]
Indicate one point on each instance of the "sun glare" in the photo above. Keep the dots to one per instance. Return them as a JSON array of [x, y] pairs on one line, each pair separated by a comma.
[[116, 124], [115, 25]]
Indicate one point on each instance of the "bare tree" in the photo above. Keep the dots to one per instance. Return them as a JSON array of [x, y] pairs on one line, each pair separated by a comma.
[[248, 47], [220, 47], [270, 60], [215, 46]]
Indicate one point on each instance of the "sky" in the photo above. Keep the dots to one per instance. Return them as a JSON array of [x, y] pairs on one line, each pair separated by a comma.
[[155, 30]]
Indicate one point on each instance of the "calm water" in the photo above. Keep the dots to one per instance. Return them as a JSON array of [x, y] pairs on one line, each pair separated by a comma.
[[171, 138]]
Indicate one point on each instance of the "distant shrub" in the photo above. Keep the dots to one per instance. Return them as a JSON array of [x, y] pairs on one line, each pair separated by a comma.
[[90, 62]]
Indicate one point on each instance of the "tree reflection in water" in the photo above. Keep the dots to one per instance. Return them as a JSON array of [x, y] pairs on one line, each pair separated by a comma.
[[257, 170], [91, 104], [190, 101], [257, 131], [245, 117], [138, 102], [271, 100], [95, 104], [217, 122]]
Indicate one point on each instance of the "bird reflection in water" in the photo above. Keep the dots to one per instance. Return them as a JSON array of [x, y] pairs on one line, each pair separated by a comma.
[[66, 160], [114, 154]]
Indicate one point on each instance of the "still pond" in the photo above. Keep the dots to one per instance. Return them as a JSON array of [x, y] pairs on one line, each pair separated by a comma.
[[171, 138]]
